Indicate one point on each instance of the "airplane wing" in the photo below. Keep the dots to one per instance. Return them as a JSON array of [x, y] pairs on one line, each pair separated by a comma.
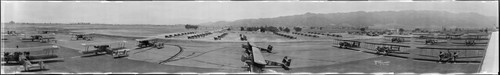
[[349, 40], [30, 49], [44, 60], [442, 48], [272, 64], [152, 38], [422, 34], [386, 44], [257, 56], [464, 43], [102, 43], [399, 36]]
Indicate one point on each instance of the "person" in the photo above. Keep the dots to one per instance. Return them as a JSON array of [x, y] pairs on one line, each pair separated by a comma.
[[441, 55], [455, 56], [269, 47], [17, 46], [285, 59]]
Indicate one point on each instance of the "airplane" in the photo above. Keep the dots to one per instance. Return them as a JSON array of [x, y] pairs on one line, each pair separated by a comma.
[[11, 33], [179, 34], [398, 39], [422, 35], [280, 34], [84, 36], [249, 45], [449, 55], [199, 35], [388, 48], [116, 52], [256, 62], [19, 54], [470, 43], [149, 42], [432, 41], [477, 36], [304, 34], [345, 44], [46, 31], [220, 36], [38, 37]]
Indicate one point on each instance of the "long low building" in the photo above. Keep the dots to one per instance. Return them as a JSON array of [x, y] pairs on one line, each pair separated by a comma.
[[490, 61]]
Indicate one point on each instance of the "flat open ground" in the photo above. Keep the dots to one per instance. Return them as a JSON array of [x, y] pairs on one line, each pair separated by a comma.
[[203, 55]]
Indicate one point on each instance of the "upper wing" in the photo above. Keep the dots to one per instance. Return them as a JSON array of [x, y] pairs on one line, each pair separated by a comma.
[[450, 48], [30, 49], [151, 38], [102, 43], [386, 44], [257, 56]]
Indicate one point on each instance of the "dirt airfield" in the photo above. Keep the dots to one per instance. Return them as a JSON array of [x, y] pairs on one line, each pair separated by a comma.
[[205, 55]]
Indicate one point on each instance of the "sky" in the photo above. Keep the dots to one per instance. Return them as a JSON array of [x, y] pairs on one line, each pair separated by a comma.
[[168, 12]]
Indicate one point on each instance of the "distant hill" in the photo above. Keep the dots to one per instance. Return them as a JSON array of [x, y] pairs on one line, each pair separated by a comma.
[[379, 19]]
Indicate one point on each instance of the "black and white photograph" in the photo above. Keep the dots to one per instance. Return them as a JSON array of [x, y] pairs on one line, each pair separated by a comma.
[[249, 37]]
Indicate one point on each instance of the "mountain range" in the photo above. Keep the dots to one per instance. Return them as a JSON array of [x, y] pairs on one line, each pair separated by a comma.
[[375, 19]]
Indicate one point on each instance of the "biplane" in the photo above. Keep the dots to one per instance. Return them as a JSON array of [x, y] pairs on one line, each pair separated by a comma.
[[387, 48], [32, 54], [149, 42], [470, 39], [432, 41], [118, 51], [47, 31], [477, 36], [451, 54], [85, 36], [249, 45], [398, 39], [439, 36], [37, 37], [450, 36], [256, 62], [348, 44], [11, 33], [470, 42], [220, 36], [422, 35]]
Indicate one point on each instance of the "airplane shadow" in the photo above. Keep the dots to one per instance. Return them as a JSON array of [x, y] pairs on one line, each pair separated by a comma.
[[119, 57], [11, 64], [17, 64], [93, 55], [458, 61], [426, 55], [37, 70], [471, 57]]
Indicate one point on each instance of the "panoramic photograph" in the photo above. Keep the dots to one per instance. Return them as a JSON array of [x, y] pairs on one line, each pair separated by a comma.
[[249, 37]]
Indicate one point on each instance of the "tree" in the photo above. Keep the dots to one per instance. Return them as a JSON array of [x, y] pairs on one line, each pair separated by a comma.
[[286, 30], [297, 29], [417, 29], [187, 26], [242, 29], [401, 30], [362, 29]]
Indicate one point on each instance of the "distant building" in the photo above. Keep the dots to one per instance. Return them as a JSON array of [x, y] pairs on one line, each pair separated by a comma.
[[12, 22]]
